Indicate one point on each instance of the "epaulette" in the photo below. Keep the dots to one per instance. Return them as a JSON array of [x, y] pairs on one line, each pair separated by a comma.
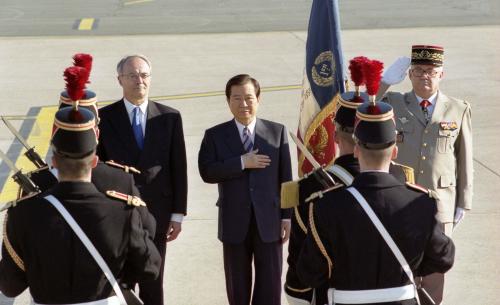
[[408, 171], [13, 203], [320, 194], [126, 168], [129, 199], [417, 187], [289, 194]]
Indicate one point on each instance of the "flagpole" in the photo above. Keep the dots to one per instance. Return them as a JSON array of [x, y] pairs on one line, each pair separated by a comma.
[[336, 27]]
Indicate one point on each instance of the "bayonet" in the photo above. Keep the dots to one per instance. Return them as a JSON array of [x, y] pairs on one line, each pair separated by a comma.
[[24, 181], [30, 153]]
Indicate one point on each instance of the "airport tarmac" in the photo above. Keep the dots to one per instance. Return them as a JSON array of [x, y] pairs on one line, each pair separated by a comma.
[[197, 66]]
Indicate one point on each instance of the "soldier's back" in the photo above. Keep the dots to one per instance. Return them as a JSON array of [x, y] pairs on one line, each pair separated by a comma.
[[58, 268], [360, 256]]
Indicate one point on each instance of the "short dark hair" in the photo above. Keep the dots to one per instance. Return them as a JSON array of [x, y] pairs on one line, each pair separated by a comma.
[[240, 80], [376, 156], [74, 168]]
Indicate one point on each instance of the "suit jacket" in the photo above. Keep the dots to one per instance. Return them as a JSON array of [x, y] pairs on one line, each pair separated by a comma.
[[57, 267], [441, 151], [243, 192], [361, 258], [162, 162]]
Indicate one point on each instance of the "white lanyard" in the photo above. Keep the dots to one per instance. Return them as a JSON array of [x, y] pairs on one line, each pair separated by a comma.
[[385, 235], [88, 244]]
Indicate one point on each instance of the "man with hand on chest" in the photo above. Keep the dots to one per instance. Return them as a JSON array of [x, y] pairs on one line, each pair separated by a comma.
[[249, 158]]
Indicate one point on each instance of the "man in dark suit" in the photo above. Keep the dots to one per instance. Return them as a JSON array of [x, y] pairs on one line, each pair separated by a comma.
[[149, 137], [249, 158]]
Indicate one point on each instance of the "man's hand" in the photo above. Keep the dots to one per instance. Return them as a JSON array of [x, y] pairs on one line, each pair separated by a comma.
[[253, 160], [396, 73], [459, 216], [285, 230], [174, 228]]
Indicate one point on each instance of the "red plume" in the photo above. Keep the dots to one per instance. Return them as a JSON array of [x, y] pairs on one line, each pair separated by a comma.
[[356, 67], [75, 78], [85, 61], [372, 71]]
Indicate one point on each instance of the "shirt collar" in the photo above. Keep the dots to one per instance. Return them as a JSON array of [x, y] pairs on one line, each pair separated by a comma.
[[251, 126], [432, 99], [130, 107]]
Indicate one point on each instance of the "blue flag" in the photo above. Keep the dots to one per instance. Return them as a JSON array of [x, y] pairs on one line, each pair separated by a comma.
[[324, 80]]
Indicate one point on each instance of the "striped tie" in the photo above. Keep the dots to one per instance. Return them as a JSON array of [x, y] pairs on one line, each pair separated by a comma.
[[247, 141]]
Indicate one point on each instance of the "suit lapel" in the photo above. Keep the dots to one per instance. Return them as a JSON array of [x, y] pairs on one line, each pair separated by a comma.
[[414, 108], [151, 129], [123, 128], [439, 108], [233, 139], [260, 137]]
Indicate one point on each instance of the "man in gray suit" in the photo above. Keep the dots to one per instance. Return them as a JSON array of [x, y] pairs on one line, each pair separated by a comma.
[[249, 158], [435, 138]]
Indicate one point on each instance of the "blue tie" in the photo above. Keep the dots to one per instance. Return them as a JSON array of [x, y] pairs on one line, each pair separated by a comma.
[[137, 127], [247, 141]]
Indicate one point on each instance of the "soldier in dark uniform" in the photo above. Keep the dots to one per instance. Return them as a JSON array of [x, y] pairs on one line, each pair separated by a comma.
[[343, 171], [344, 247], [41, 251], [106, 175]]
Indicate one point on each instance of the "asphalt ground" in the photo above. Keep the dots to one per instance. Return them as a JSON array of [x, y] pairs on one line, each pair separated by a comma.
[[119, 17], [189, 74]]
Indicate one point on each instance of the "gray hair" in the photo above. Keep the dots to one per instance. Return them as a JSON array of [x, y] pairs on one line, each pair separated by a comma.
[[124, 60]]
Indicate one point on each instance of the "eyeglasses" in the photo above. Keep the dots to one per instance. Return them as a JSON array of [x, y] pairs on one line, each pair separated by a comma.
[[135, 76], [421, 72]]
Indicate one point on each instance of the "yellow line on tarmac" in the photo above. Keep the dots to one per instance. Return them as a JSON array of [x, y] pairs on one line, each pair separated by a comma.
[[136, 2], [39, 137], [86, 24], [207, 94]]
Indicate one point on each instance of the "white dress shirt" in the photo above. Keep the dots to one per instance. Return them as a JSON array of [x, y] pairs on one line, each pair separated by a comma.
[[130, 110], [251, 130], [432, 99]]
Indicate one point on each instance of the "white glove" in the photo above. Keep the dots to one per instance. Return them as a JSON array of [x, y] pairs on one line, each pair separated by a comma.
[[396, 73], [459, 215]]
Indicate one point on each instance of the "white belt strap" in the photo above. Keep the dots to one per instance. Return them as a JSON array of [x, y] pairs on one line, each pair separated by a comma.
[[373, 295], [90, 247], [109, 301], [385, 235], [342, 174]]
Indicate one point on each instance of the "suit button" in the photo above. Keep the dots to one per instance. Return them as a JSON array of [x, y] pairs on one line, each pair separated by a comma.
[[426, 131], [421, 172], [423, 157], [424, 145], [251, 189]]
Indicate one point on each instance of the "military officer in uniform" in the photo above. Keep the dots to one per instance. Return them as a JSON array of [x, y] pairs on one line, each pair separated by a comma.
[[435, 138], [41, 252], [343, 171], [345, 248]]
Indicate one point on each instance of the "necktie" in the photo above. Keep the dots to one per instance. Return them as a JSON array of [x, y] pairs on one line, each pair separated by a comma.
[[137, 127], [424, 104], [247, 141]]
